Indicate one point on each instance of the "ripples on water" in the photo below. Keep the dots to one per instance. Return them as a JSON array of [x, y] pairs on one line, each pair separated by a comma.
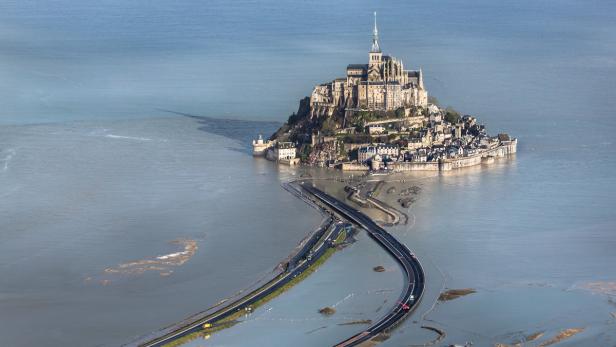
[[84, 216], [78, 197]]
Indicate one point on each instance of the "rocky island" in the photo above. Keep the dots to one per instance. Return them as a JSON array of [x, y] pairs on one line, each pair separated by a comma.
[[380, 117]]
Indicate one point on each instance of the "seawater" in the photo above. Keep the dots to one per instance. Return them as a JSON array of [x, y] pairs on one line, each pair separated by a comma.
[[83, 188], [83, 197]]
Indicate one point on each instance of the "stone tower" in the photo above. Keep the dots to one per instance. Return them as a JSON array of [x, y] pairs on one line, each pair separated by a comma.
[[375, 60]]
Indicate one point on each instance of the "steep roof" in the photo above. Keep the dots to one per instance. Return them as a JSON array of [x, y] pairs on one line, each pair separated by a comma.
[[357, 66], [413, 73]]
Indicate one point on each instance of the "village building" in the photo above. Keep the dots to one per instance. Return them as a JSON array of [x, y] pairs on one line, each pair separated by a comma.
[[285, 151], [380, 112], [384, 151], [388, 151], [376, 129], [366, 153]]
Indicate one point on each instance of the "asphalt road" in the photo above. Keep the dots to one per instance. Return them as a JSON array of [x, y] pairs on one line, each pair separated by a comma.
[[319, 243], [312, 250], [413, 273]]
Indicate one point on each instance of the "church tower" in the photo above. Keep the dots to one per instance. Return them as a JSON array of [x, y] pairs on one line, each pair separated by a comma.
[[375, 56]]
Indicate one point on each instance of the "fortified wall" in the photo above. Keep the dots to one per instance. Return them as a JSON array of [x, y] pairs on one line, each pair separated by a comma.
[[506, 148]]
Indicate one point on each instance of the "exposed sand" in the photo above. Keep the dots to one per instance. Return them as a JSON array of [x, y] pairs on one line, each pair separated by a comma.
[[528, 338], [381, 337], [452, 294], [375, 340], [535, 336], [600, 287], [327, 311], [563, 335], [161, 264]]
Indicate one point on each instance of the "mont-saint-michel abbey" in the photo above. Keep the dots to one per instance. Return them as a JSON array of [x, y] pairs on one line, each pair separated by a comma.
[[379, 117], [381, 84], [307, 173]]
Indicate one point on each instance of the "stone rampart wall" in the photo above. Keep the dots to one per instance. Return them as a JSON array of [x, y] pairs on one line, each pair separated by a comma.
[[415, 166], [353, 167], [506, 148]]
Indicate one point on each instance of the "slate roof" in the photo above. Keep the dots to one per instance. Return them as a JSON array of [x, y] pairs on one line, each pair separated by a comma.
[[357, 66]]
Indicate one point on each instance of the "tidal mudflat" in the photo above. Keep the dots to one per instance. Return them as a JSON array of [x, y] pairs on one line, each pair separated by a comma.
[[116, 229], [473, 235], [534, 236]]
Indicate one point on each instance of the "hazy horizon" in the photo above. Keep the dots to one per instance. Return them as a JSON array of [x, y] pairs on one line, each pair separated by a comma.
[[116, 173], [112, 60]]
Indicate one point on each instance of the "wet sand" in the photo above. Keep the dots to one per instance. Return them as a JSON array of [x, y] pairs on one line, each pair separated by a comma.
[[163, 264], [421, 187], [452, 294]]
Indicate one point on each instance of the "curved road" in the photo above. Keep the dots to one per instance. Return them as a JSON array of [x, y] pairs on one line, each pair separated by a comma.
[[414, 276], [320, 242]]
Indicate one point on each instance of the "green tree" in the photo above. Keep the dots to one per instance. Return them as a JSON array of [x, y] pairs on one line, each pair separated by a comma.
[[328, 128], [451, 115], [293, 119], [359, 125]]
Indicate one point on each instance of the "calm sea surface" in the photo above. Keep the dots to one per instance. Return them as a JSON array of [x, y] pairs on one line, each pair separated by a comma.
[[102, 167]]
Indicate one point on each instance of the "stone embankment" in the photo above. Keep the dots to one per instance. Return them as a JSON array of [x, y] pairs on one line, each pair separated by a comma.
[[485, 157], [506, 148], [350, 166]]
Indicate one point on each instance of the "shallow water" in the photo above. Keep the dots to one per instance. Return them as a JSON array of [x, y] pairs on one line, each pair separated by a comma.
[[94, 190], [525, 240], [345, 282], [83, 197]]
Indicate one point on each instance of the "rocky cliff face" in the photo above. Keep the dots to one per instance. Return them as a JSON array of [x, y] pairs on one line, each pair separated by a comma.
[[300, 128], [296, 123]]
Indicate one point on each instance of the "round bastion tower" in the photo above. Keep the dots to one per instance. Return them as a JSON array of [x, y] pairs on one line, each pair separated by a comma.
[[259, 147]]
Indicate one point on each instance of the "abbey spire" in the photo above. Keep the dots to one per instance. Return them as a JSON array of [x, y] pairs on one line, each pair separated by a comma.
[[375, 38], [375, 57], [380, 85]]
